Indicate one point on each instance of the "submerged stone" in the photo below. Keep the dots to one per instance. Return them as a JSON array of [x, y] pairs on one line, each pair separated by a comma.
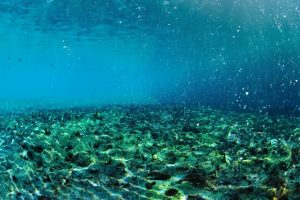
[[150, 185], [171, 192], [155, 175], [188, 128], [80, 159], [165, 159], [197, 178]]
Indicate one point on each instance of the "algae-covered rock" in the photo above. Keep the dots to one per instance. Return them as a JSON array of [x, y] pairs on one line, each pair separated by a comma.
[[149, 152], [155, 175]]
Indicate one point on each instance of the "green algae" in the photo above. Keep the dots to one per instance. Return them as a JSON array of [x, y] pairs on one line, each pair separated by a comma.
[[149, 153]]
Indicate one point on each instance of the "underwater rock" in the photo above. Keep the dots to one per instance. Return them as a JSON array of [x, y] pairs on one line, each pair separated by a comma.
[[188, 128], [47, 132], [98, 116], [197, 177], [194, 197], [275, 181], [149, 185], [80, 159], [162, 156], [43, 198], [171, 192], [155, 175], [258, 151], [38, 149], [113, 168], [77, 134], [295, 157]]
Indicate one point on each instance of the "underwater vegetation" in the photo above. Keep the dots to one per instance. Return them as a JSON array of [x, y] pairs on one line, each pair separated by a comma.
[[148, 152]]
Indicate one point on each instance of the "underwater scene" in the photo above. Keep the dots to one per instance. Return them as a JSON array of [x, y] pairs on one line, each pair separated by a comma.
[[149, 99]]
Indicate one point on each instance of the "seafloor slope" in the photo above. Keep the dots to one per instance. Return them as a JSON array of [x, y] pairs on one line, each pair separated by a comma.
[[148, 152]]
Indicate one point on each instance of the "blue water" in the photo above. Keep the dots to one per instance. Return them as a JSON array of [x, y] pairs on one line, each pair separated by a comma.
[[235, 54]]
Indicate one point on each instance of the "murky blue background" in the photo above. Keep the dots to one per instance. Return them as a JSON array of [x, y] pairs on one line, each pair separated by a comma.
[[236, 54]]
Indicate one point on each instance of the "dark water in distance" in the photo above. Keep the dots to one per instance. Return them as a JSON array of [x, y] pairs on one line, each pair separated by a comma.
[[237, 54]]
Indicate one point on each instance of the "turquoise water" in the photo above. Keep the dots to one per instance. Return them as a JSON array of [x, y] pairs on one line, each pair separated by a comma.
[[149, 99], [237, 54]]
